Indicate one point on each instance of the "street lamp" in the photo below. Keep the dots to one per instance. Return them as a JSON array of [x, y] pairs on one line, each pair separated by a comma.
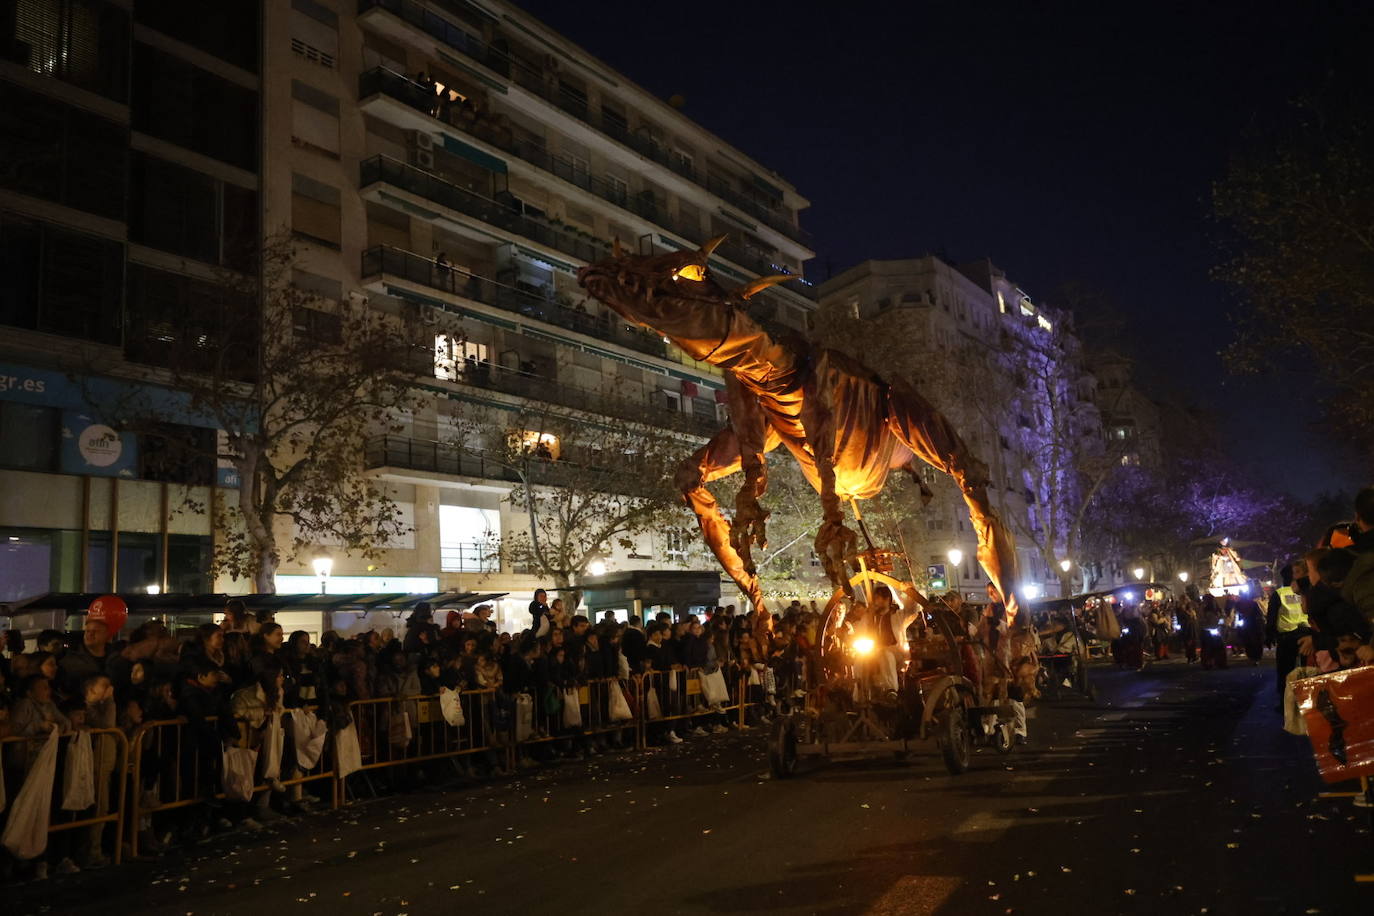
[[955, 557], [1139, 573], [1065, 564], [323, 567], [1183, 577], [596, 568]]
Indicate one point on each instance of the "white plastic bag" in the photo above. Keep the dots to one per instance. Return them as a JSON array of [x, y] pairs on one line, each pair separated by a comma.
[[713, 688], [308, 732], [348, 754], [572, 710], [26, 831], [451, 705], [618, 708], [78, 775], [273, 742], [652, 708], [240, 767], [524, 716], [1293, 721]]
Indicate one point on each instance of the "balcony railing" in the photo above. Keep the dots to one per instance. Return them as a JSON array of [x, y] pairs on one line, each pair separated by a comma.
[[576, 105], [469, 556], [437, 457], [406, 265], [431, 187], [533, 386]]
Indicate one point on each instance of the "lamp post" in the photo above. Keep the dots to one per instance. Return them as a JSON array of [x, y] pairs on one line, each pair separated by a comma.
[[323, 567], [955, 557], [1139, 573], [1183, 577]]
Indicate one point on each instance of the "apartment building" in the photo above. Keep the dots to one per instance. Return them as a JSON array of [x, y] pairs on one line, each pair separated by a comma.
[[981, 350], [131, 149], [456, 162]]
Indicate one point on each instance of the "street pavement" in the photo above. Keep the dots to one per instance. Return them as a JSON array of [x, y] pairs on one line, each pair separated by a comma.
[[1175, 792]]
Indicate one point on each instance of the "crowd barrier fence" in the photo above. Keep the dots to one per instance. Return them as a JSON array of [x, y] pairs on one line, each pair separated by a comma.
[[170, 764], [112, 789]]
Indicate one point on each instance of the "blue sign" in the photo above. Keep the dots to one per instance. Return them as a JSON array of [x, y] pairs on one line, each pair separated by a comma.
[[91, 447], [227, 477], [51, 388]]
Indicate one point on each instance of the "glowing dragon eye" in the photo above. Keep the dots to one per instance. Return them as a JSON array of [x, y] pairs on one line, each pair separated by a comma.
[[691, 272]]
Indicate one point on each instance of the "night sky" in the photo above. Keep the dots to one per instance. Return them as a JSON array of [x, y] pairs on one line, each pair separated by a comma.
[[1069, 144]]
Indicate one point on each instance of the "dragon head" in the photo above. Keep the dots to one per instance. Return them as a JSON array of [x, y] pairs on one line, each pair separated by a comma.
[[669, 293]]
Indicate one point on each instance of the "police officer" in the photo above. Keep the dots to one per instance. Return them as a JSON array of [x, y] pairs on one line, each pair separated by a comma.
[[1286, 622]]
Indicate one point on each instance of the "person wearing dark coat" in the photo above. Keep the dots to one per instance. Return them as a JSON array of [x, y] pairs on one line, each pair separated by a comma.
[[540, 620], [632, 644]]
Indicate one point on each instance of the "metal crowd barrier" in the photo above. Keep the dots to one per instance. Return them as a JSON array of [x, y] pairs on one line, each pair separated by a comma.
[[679, 694], [113, 789], [594, 714], [403, 730], [178, 771]]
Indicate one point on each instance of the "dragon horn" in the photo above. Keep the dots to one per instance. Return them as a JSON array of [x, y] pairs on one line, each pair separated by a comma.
[[710, 245], [761, 284], [616, 250]]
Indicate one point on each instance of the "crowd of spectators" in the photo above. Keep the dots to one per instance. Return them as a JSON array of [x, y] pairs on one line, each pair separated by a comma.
[[225, 678]]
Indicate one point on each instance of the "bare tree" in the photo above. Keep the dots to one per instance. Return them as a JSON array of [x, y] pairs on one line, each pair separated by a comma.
[[295, 383], [585, 486]]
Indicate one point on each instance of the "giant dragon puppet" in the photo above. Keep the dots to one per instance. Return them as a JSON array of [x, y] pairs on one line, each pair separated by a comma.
[[846, 426]]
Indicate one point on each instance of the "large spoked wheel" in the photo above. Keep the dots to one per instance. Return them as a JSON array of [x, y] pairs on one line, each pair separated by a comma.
[[954, 737], [782, 748]]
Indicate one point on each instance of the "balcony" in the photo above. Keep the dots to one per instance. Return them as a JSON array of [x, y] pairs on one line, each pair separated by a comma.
[[535, 387], [574, 104], [383, 169], [384, 260], [413, 95], [414, 454]]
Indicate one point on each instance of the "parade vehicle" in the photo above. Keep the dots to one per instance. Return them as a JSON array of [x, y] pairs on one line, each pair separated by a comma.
[[875, 688], [1063, 648]]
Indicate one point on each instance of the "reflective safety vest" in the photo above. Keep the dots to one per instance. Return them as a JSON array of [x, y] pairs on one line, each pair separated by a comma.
[[1291, 614]]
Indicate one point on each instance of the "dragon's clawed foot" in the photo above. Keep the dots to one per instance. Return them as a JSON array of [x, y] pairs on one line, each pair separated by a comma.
[[834, 544], [749, 530]]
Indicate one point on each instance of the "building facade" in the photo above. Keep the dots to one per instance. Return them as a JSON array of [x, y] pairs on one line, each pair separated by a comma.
[[453, 162], [1011, 376]]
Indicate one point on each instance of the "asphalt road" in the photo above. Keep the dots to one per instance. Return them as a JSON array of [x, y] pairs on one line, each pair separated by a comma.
[[1176, 792]]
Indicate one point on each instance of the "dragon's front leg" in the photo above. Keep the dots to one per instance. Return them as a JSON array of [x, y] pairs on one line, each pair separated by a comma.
[[749, 526], [718, 458]]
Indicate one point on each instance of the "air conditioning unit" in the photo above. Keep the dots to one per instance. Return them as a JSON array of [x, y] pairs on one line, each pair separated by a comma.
[[422, 158], [420, 140]]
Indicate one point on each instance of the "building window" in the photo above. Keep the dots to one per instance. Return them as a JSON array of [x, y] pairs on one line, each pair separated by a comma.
[[315, 211], [180, 103], [82, 42], [537, 444], [228, 31], [61, 282], [456, 356], [468, 539], [317, 326], [674, 544], [59, 153]]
